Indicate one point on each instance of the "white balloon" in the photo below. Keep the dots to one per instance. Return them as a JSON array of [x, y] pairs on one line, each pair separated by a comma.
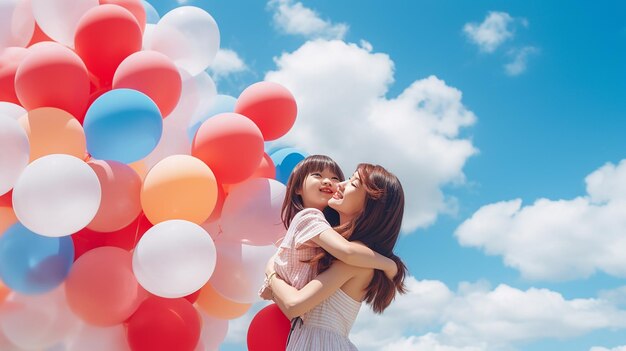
[[100, 339], [59, 18], [56, 195], [17, 23], [189, 36], [213, 331], [251, 212], [14, 152], [240, 270], [147, 36], [38, 321], [173, 141], [174, 258], [12, 110], [189, 99]]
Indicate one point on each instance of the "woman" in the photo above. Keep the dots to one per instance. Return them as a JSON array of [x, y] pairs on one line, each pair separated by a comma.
[[370, 206]]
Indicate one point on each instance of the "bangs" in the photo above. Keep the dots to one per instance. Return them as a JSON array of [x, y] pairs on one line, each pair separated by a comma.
[[318, 163]]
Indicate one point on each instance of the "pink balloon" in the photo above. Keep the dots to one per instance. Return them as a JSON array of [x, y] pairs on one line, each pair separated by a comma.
[[52, 75], [105, 36], [271, 106], [153, 74], [120, 203], [251, 212], [231, 145], [239, 270], [10, 59], [101, 288]]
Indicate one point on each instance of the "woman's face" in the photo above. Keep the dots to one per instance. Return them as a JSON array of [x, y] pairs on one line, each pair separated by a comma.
[[349, 200], [318, 188]]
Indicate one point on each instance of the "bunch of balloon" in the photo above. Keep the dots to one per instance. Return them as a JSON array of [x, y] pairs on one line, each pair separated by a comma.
[[137, 206]]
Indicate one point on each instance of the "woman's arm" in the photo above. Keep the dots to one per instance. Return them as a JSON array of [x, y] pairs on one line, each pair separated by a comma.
[[354, 253], [294, 302]]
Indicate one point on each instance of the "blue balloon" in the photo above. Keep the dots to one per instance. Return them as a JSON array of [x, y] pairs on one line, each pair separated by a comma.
[[32, 263], [221, 104], [123, 125], [152, 16], [285, 160]]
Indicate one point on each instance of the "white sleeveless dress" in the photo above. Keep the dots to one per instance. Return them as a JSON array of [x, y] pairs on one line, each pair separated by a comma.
[[326, 327]]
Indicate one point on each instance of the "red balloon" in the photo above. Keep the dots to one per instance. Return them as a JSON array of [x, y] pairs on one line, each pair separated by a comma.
[[271, 106], [125, 238], [231, 145], [105, 36], [101, 288], [164, 324], [266, 169], [134, 6], [153, 74], [52, 75], [9, 61], [38, 36], [268, 330], [193, 297]]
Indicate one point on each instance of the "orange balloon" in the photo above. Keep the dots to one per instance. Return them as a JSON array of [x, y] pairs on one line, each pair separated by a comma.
[[216, 305], [101, 288], [53, 131], [140, 168], [231, 144], [120, 203], [179, 187], [7, 216]]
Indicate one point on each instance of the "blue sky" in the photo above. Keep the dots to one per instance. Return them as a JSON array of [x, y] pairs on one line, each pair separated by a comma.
[[505, 123]]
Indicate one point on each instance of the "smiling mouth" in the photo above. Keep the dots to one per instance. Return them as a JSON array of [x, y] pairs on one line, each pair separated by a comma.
[[337, 196], [327, 190]]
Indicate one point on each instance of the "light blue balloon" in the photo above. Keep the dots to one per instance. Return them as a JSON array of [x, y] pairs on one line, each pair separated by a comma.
[[123, 125], [152, 16], [221, 104], [32, 263], [285, 160]]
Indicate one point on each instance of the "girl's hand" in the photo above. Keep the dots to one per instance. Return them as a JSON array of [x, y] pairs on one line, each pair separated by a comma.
[[266, 293]]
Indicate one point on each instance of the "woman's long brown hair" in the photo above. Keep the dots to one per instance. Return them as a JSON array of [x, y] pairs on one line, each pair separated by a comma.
[[378, 227], [293, 202]]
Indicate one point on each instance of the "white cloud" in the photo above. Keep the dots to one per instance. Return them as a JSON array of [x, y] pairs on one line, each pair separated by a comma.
[[558, 240], [477, 317], [294, 18], [520, 60], [227, 62], [492, 32], [343, 112], [428, 342], [414, 312]]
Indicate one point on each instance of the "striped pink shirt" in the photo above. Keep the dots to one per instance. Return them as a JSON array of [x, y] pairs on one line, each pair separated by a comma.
[[297, 246]]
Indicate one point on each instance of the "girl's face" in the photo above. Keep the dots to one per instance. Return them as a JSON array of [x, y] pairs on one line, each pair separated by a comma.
[[349, 200], [318, 188]]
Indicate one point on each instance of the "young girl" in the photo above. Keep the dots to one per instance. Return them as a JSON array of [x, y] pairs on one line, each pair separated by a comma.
[[371, 207], [309, 188]]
